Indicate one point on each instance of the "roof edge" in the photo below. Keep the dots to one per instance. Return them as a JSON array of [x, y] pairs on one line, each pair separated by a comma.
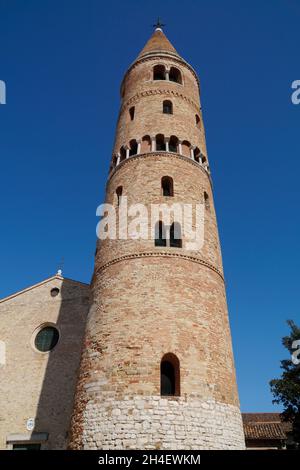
[[26, 289]]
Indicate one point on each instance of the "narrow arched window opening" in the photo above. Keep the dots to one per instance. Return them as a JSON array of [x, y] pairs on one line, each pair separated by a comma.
[[197, 155], [170, 375], [122, 154], [186, 148], [131, 113], [198, 122], [159, 72], [167, 186], [175, 75], [160, 143], [160, 234], [167, 107], [175, 235], [146, 144], [119, 192], [173, 144], [133, 148], [206, 201]]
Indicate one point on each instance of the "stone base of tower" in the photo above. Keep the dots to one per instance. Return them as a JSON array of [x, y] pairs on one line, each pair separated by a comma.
[[154, 422]]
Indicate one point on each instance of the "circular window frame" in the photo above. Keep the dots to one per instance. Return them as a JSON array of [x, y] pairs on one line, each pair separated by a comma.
[[36, 332], [54, 292]]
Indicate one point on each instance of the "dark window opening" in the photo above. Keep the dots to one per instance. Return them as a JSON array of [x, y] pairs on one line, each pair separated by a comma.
[[131, 113], [122, 154], [133, 148], [54, 292], [206, 201], [46, 339], [169, 375], [160, 143], [167, 378], [175, 235], [198, 122], [173, 144], [160, 234], [167, 186], [175, 75], [159, 72], [167, 107], [119, 192], [197, 155]]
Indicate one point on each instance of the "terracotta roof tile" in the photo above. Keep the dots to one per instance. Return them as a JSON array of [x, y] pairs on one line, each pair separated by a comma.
[[264, 431], [265, 426]]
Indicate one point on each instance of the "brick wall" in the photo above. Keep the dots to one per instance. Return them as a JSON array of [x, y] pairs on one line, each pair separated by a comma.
[[34, 384]]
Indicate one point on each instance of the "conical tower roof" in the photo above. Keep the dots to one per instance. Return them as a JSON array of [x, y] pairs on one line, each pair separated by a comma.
[[158, 43]]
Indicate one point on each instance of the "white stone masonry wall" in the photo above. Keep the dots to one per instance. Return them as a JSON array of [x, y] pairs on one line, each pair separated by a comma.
[[162, 423]]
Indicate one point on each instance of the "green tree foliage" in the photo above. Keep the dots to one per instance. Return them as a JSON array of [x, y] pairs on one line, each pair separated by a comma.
[[286, 390]]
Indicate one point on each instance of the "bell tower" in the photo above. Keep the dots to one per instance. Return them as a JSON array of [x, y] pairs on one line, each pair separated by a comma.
[[157, 368]]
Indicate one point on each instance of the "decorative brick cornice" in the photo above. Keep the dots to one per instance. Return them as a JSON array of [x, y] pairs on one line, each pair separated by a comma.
[[159, 91], [159, 254], [160, 154]]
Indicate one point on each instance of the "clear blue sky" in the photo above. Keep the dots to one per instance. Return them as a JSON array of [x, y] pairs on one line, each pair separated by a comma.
[[63, 61]]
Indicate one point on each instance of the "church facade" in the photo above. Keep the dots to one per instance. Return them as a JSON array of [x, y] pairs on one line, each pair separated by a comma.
[[42, 330], [151, 366]]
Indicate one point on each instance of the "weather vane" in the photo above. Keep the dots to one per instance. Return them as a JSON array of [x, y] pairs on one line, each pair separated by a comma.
[[158, 24]]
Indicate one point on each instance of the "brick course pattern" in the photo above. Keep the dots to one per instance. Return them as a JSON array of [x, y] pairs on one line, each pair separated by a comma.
[[149, 301]]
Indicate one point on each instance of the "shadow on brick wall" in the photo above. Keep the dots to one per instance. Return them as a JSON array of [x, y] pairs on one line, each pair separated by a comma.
[[57, 392]]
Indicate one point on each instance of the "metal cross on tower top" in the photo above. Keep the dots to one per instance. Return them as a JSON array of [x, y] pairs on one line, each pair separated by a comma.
[[158, 24]]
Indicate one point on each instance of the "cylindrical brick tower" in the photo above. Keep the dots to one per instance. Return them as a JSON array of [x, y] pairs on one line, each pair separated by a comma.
[[157, 369]]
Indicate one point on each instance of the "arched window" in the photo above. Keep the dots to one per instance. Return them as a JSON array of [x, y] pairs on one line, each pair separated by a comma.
[[206, 201], [133, 147], [159, 72], [167, 107], [198, 122], [167, 186], [186, 148], [173, 143], [175, 75], [160, 234], [170, 375], [146, 144], [204, 160], [175, 235], [131, 113], [122, 154], [160, 142], [119, 192], [197, 154]]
